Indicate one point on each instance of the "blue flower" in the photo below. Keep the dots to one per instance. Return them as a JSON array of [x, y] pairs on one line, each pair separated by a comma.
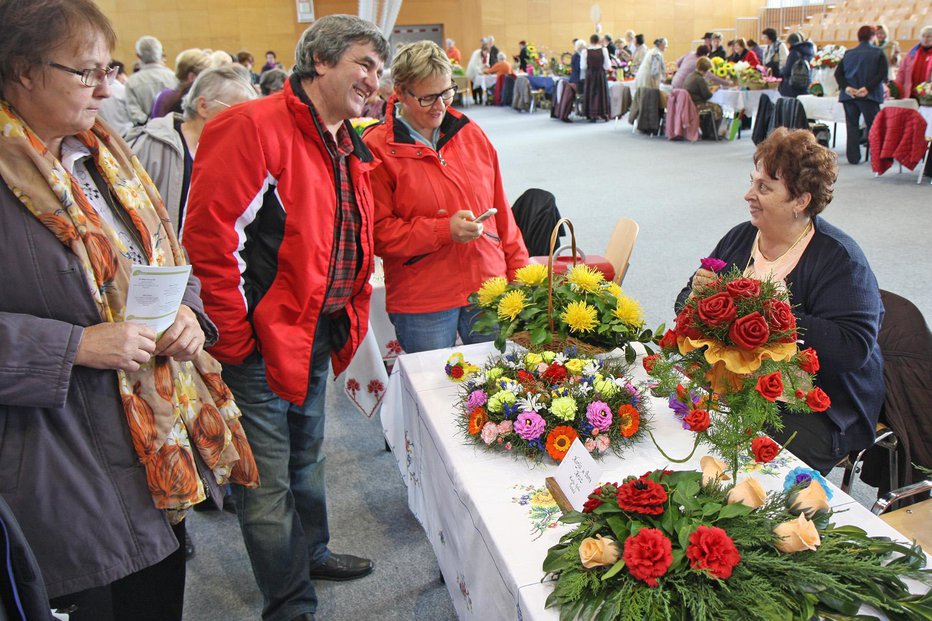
[[803, 476], [510, 410]]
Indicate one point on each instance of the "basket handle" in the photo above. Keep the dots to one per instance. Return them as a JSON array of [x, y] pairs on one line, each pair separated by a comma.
[[553, 243], [579, 252]]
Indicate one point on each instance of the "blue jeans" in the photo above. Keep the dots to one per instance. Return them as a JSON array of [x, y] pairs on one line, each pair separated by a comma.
[[284, 520], [426, 331]]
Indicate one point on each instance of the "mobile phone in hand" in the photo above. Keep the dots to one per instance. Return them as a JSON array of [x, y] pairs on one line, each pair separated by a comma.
[[485, 216]]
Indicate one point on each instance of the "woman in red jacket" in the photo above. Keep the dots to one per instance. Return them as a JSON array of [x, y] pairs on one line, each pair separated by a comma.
[[437, 174]]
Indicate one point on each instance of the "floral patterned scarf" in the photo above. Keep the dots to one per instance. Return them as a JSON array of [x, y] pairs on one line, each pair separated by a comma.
[[172, 408]]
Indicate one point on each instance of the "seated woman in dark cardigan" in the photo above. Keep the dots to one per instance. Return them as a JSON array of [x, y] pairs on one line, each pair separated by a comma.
[[832, 288]]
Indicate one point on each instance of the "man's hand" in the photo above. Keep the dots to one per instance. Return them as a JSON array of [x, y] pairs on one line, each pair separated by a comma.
[[123, 346], [702, 277], [462, 227], [184, 339]]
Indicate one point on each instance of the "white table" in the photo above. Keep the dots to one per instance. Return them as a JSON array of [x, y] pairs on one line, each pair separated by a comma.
[[733, 100], [485, 81], [487, 515]]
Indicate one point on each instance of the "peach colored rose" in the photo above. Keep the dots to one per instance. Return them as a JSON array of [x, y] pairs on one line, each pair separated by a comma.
[[797, 535], [810, 500], [748, 492], [712, 469], [598, 552]]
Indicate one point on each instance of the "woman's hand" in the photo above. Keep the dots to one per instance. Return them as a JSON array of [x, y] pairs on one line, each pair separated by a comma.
[[184, 339], [462, 227], [702, 278], [123, 346]]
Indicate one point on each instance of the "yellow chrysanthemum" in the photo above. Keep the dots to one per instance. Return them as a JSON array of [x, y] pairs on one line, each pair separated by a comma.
[[511, 305], [580, 317], [586, 278], [614, 288], [629, 311], [534, 274], [491, 289]]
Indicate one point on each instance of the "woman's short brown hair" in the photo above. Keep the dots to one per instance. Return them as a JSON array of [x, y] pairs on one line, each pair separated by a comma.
[[34, 29], [795, 157], [703, 64]]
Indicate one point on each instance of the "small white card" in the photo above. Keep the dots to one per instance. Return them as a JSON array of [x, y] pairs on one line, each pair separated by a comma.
[[155, 294], [577, 475]]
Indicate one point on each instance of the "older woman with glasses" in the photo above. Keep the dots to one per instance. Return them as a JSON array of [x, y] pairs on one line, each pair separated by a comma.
[[109, 429], [437, 175], [166, 146]]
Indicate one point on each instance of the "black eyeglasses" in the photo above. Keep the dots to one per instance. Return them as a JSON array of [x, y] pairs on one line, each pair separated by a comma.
[[428, 100], [90, 77]]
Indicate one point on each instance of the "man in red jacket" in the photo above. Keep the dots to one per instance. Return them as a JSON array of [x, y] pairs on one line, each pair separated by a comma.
[[279, 230]]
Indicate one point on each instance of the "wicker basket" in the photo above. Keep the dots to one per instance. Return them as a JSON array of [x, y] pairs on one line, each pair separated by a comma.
[[925, 100], [557, 343]]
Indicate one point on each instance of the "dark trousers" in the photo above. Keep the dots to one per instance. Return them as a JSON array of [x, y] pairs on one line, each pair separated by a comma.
[[155, 593], [814, 442], [854, 109]]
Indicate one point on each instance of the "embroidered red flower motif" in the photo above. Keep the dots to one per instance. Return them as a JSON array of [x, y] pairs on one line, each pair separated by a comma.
[[648, 555], [710, 548], [394, 347], [375, 387], [353, 386], [642, 496]]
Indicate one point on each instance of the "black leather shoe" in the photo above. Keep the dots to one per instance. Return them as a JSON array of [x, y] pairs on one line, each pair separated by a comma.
[[342, 567], [188, 547], [305, 617]]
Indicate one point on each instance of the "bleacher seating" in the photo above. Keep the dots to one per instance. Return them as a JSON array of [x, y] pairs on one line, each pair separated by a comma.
[[839, 23]]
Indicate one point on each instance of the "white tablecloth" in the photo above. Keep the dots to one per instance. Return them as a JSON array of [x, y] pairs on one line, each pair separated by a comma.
[[733, 101], [365, 379], [826, 77], [488, 515], [827, 109], [485, 81]]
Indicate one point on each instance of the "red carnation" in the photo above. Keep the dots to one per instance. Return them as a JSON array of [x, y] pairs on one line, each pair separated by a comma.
[[717, 310], [668, 342], [817, 400], [710, 548], [809, 360], [770, 386], [743, 288], [648, 555], [524, 377], [592, 503], [554, 374], [456, 372], [649, 362], [780, 318], [697, 420], [800, 393], [642, 496], [685, 326], [764, 449], [749, 332]]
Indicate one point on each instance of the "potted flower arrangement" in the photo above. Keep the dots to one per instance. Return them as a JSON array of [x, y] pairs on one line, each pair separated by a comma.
[[671, 545], [924, 90], [579, 308], [723, 68], [828, 57], [751, 78], [732, 361], [537, 404]]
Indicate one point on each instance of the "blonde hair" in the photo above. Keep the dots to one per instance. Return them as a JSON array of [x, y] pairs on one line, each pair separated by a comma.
[[419, 61], [193, 61]]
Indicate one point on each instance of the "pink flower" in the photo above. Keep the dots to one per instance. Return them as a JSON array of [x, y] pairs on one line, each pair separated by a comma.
[[475, 399], [489, 432], [599, 415], [506, 426], [590, 444], [529, 425], [602, 443], [712, 264]]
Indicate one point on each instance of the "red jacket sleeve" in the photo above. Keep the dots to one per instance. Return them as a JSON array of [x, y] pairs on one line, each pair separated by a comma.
[[229, 181]]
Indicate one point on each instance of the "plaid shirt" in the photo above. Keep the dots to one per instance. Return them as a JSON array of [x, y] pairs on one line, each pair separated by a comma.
[[346, 254]]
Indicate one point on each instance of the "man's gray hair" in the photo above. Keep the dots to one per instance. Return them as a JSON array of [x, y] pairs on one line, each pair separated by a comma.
[[328, 39], [221, 84], [149, 49]]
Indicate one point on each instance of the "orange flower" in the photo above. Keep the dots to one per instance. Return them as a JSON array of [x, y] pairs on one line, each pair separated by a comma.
[[559, 441], [477, 420], [173, 475], [630, 420]]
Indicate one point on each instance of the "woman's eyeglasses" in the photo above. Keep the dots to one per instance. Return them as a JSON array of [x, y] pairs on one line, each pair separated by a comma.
[[90, 77], [428, 100], [222, 103]]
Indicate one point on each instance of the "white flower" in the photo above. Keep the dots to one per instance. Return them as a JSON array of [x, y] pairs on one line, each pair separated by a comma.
[[560, 358], [591, 369], [530, 402], [583, 389]]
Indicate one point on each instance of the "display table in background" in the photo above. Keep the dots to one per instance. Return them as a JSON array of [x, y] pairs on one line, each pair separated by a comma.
[[488, 516]]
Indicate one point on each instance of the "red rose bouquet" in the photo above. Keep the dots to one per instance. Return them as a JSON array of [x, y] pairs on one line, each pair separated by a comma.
[[732, 362], [666, 546]]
